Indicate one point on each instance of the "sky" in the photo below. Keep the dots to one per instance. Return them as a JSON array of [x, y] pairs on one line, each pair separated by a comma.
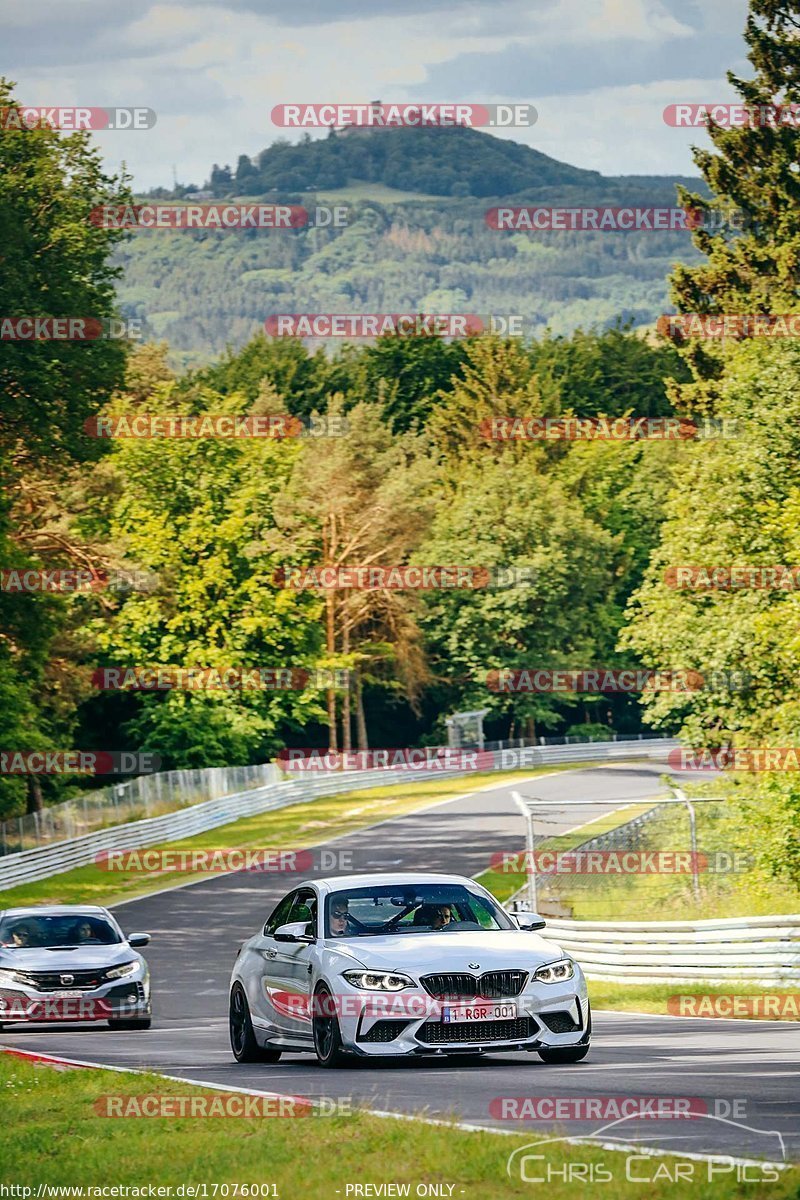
[[599, 72]]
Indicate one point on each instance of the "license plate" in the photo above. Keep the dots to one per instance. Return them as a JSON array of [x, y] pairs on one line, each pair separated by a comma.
[[478, 1012], [62, 995]]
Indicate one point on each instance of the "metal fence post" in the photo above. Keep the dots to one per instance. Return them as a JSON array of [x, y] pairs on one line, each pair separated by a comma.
[[527, 812], [693, 836]]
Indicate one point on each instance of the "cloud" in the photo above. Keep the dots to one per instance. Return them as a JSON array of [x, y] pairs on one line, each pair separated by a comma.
[[598, 71], [625, 126], [523, 70], [88, 32], [591, 44], [329, 12]]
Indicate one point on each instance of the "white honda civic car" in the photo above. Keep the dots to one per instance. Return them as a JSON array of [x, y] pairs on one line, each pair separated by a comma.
[[404, 964], [71, 962]]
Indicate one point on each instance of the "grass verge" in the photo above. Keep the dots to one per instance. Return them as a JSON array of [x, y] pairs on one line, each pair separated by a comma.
[[54, 1135], [294, 828], [773, 1004]]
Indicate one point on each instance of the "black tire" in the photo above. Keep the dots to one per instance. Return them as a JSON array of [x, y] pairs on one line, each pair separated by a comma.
[[133, 1023], [327, 1035], [243, 1041], [569, 1054]]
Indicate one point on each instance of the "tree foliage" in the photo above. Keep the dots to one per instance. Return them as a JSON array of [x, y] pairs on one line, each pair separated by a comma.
[[55, 263], [749, 232]]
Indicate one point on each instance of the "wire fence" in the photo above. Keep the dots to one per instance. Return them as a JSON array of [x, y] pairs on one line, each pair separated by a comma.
[[167, 791], [572, 739], [47, 859], [666, 857], [134, 800]]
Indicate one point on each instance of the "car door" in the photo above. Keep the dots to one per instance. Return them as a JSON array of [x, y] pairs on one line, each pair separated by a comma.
[[288, 975], [266, 984]]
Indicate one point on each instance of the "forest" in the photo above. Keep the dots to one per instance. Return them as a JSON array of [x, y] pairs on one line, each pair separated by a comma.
[[416, 238]]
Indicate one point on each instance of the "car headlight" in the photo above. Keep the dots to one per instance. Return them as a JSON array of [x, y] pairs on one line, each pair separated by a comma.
[[14, 977], [378, 981], [124, 969], [555, 972]]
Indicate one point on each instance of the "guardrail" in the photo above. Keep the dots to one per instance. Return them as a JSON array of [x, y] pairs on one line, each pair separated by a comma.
[[540, 756], [764, 950], [129, 800], [42, 862]]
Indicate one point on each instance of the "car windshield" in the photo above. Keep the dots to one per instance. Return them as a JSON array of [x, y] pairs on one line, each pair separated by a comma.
[[417, 908], [48, 932]]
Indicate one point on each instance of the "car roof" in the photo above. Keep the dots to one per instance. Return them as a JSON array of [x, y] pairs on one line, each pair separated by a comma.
[[55, 910], [334, 883]]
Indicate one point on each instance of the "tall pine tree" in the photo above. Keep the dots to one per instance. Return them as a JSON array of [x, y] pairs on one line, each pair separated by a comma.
[[754, 177]]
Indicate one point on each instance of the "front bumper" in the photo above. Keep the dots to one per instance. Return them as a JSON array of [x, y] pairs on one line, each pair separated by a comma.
[[547, 1016], [120, 1000]]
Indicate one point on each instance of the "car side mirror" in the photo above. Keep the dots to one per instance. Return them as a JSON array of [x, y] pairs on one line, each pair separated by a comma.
[[139, 939], [529, 920], [296, 931]]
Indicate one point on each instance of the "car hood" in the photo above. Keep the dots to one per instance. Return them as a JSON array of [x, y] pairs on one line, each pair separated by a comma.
[[429, 953], [82, 958]]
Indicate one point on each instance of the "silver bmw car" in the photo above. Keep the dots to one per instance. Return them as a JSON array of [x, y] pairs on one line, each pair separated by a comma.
[[405, 964], [71, 963]]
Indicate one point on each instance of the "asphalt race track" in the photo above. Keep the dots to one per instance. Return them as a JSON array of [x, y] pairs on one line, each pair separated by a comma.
[[196, 931]]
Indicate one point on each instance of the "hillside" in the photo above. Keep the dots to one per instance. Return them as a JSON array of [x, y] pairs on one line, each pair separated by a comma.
[[440, 162], [417, 240]]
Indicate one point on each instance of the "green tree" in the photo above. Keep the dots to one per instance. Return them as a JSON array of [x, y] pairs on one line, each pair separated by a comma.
[[736, 503], [198, 515], [284, 362], [497, 380], [413, 370], [56, 263], [364, 499], [750, 228], [548, 611], [613, 371]]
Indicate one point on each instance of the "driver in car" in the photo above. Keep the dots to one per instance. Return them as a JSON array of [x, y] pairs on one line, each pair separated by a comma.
[[435, 916], [442, 916], [84, 932]]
